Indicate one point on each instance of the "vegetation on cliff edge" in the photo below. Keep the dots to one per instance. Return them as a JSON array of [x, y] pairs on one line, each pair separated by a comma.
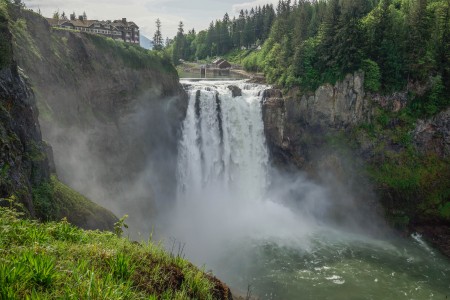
[[5, 45]]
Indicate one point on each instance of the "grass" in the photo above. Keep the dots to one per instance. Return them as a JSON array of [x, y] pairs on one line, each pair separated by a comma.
[[132, 56], [23, 38], [56, 260]]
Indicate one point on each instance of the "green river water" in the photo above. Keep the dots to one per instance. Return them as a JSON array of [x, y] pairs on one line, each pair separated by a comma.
[[333, 265]]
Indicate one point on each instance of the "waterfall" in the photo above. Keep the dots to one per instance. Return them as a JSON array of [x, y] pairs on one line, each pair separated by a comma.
[[223, 175], [223, 146]]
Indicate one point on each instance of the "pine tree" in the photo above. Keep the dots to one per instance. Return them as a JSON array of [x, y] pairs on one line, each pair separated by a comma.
[[418, 36], [157, 38], [56, 15], [179, 44]]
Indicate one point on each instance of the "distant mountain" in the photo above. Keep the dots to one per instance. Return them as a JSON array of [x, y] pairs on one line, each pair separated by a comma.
[[146, 43]]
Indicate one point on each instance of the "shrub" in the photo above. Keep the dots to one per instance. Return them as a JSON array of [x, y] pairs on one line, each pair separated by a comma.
[[42, 269], [372, 81], [121, 266]]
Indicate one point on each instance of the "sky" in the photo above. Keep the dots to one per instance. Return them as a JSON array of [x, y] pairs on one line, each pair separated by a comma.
[[194, 13]]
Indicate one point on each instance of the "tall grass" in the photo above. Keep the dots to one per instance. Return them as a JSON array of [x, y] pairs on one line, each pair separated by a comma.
[[56, 260]]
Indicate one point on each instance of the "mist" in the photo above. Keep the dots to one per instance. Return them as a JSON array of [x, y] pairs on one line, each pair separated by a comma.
[[126, 163], [229, 194]]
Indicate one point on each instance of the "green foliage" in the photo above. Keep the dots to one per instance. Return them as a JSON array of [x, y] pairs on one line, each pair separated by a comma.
[[68, 263], [42, 269], [372, 79], [5, 42], [433, 101], [119, 224], [251, 62], [133, 56], [313, 43], [44, 204], [247, 31], [4, 9], [122, 266], [23, 39], [13, 277], [413, 182], [54, 200]]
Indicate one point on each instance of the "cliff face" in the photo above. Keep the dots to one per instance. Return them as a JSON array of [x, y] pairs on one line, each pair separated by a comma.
[[23, 162], [372, 146], [112, 113], [292, 124], [26, 161]]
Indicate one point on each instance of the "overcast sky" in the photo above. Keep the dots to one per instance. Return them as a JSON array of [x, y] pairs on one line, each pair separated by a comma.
[[194, 13]]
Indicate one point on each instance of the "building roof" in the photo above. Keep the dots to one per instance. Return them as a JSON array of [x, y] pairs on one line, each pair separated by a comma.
[[81, 23], [55, 22], [124, 23], [224, 65], [89, 23], [218, 61]]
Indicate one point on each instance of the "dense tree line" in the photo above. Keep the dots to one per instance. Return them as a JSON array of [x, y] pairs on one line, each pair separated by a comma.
[[395, 42], [305, 43], [249, 29]]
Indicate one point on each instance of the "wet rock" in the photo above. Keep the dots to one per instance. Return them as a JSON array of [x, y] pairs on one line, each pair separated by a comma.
[[23, 161], [433, 135], [235, 91]]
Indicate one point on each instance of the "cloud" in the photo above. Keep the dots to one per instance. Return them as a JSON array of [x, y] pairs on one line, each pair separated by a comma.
[[247, 5]]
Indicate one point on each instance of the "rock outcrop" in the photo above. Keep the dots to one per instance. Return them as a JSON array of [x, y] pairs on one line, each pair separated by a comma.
[[235, 91], [367, 143], [433, 135], [291, 123], [23, 160]]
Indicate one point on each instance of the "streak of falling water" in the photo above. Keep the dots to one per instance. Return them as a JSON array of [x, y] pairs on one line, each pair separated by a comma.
[[223, 146]]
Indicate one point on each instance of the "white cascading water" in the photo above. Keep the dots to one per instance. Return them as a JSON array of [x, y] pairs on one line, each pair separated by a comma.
[[223, 174], [223, 146]]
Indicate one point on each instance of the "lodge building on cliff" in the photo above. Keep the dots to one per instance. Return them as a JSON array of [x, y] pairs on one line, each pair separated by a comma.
[[117, 30]]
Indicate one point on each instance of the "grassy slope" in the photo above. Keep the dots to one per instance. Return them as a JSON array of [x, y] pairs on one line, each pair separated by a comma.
[[60, 261], [55, 200]]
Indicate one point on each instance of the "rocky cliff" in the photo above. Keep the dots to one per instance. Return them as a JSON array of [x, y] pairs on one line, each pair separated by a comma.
[[373, 145], [25, 160], [295, 124], [111, 111]]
